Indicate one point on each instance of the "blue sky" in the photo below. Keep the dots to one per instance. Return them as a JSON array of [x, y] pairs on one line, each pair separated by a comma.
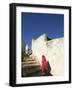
[[35, 24]]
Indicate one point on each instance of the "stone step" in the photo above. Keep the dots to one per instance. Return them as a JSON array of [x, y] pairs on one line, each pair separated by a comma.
[[30, 65], [39, 73], [29, 62], [30, 71], [28, 59]]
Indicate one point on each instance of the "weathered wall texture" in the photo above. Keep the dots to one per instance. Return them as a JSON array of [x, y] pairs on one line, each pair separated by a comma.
[[53, 51]]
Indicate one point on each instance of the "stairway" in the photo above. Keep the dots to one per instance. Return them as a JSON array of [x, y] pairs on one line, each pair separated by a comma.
[[30, 67]]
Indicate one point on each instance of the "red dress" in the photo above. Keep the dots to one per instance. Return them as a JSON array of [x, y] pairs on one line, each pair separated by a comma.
[[44, 65]]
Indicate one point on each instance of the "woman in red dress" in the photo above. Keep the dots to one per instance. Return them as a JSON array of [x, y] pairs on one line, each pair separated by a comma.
[[44, 65]]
